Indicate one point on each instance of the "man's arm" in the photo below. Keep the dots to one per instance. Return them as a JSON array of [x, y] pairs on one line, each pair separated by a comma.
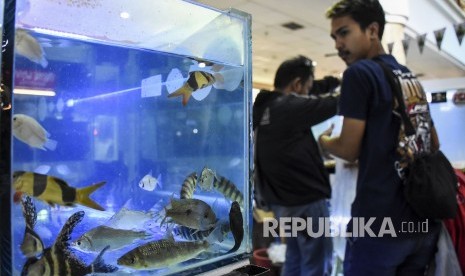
[[347, 145], [309, 111]]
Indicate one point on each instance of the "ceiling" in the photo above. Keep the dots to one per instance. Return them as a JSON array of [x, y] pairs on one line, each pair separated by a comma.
[[272, 43]]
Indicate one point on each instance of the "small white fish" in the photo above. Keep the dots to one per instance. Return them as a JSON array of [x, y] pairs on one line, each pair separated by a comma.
[[28, 47], [28, 130], [149, 183]]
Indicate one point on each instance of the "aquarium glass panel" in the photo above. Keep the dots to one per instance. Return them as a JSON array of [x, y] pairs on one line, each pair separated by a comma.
[[131, 149], [448, 120]]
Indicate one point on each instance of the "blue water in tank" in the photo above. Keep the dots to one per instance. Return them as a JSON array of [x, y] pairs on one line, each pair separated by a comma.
[[109, 118]]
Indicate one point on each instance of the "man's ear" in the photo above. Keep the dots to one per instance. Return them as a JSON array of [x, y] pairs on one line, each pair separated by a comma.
[[373, 29], [296, 83]]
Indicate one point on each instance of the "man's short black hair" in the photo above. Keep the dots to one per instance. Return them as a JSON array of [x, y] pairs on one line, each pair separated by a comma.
[[364, 12], [297, 67]]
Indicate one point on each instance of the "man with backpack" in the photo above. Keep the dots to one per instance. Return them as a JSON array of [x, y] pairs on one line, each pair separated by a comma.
[[399, 241]]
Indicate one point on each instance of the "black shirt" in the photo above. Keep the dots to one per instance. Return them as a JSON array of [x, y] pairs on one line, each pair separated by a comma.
[[287, 152]]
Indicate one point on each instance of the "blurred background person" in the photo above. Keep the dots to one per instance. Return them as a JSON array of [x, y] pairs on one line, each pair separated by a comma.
[[294, 180]]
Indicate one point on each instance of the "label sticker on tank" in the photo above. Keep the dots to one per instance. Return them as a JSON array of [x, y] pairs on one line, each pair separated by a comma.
[[151, 86]]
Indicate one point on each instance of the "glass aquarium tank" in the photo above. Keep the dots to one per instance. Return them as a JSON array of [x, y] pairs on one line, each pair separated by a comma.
[[130, 137]]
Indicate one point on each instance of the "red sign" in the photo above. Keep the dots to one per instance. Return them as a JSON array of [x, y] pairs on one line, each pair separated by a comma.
[[34, 79]]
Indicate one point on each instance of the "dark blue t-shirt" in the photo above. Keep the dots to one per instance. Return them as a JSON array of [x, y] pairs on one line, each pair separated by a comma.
[[366, 95]]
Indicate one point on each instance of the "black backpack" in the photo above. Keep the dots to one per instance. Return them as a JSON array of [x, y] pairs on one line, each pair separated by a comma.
[[430, 182]]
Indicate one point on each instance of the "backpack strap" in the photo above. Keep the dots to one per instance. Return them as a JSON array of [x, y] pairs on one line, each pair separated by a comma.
[[397, 91]]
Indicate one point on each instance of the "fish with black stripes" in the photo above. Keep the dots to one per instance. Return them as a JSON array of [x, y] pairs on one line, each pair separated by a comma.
[[53, 190], [236, 224], [32, 244], [196, 80], [228, 189], [188, 186], [58, 260], [190, 234]]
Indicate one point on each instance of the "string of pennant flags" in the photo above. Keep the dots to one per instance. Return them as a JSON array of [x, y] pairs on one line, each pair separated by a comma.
[[438, 35]]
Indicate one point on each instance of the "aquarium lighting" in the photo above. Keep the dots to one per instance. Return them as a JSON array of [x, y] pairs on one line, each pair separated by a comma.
[[70, 103], [60, 33], [124, 15], [34, 92]]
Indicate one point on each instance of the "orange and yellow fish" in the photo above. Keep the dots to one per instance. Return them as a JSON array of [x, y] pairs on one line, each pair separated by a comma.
[[53, 190]]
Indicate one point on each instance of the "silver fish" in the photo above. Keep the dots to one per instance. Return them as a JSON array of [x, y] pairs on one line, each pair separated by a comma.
[[191, 212], [32, 244], [207, 177], [162, 253], [150, 183], [99, 237], [188, 186], [130, 219], [58, 260], [228, 189]]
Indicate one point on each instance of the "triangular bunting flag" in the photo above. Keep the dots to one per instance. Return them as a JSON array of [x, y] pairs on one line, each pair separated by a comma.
[[439, 35], [405, 44], [460, 31], [421, 39], [390, 46]]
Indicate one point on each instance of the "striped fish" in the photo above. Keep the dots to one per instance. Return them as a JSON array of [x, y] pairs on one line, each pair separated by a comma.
[[54, 190], [162, 253], [58, 260], [190, 234], [196, 80], [228, 189], [32, 244], [188, 186]]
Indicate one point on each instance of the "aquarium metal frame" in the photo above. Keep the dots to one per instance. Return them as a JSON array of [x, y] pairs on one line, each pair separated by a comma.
[[8, 10]]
